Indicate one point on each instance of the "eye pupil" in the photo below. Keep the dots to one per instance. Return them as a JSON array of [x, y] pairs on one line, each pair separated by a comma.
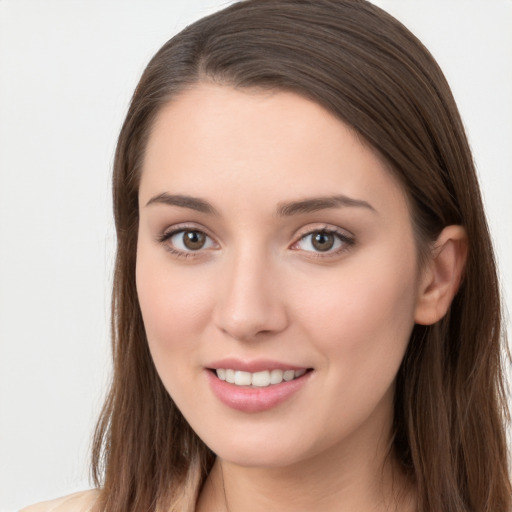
[[323, 241], [194, 240]]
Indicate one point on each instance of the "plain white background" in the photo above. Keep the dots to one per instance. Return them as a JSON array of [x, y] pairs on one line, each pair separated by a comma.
[[67, 70]]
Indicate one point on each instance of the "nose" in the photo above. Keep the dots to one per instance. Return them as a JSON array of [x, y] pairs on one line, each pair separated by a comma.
[[250, 301]]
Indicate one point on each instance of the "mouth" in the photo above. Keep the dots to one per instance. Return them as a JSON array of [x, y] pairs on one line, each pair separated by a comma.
[[261, 379], [262, 389]]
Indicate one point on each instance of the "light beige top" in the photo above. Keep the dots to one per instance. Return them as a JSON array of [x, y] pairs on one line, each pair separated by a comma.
[[78, 502]]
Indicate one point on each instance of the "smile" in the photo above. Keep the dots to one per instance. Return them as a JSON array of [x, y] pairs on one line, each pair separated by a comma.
[[260, 379], [253, 387]]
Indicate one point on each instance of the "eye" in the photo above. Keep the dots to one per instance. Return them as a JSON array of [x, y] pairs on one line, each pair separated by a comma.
[[324, 241], [187, 240]]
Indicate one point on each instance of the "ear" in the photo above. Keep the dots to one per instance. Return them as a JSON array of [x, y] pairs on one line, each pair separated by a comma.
[[442, 275]]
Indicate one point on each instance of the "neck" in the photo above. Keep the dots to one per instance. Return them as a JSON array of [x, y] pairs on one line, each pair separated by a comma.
[[340, 480]]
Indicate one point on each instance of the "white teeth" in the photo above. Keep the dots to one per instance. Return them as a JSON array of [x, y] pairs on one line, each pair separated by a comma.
[[258, 379], [261, 379], [276, 376], [242, 378], [288, 375]]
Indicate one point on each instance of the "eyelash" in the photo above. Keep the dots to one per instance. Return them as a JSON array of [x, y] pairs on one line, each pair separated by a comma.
[[346, 241], [166, 236]]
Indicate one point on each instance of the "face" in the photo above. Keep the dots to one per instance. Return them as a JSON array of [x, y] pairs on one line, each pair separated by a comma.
[[277, 275]]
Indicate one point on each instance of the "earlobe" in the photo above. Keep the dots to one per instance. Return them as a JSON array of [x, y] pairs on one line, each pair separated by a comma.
[[442, 275]]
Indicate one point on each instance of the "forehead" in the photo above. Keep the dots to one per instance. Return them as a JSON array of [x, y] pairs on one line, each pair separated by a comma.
[[259, 146]]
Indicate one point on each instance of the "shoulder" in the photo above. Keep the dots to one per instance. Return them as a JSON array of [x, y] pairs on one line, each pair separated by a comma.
[[77, 502]]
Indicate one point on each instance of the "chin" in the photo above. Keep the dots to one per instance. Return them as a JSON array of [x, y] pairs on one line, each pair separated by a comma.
[[264, 450], [259, 458]]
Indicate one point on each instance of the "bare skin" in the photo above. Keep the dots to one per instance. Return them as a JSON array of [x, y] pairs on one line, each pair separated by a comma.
[[271, 235], [363, 489]]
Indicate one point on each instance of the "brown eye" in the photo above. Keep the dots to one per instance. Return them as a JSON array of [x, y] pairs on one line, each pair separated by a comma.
[[194, 240], [323, 241], [188, 240]]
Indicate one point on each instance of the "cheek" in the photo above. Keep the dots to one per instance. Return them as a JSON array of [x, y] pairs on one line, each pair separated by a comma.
[[174, 310], [361, 328], [363, 316], [174, 307]]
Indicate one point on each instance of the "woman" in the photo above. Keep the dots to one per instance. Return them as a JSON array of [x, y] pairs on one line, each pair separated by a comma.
[[306, 308]]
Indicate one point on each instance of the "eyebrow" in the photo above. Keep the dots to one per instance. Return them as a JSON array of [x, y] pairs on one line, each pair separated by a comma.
[[286, 209], [315, 204], [194, 203]]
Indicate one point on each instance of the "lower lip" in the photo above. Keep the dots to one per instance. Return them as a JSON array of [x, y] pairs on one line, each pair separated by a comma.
[[249, 399]]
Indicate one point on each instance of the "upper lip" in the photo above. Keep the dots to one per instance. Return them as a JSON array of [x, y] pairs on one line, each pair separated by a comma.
[[257, 365]]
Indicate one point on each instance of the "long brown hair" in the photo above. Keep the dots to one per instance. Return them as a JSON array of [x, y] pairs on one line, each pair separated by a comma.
[[367, 69]]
